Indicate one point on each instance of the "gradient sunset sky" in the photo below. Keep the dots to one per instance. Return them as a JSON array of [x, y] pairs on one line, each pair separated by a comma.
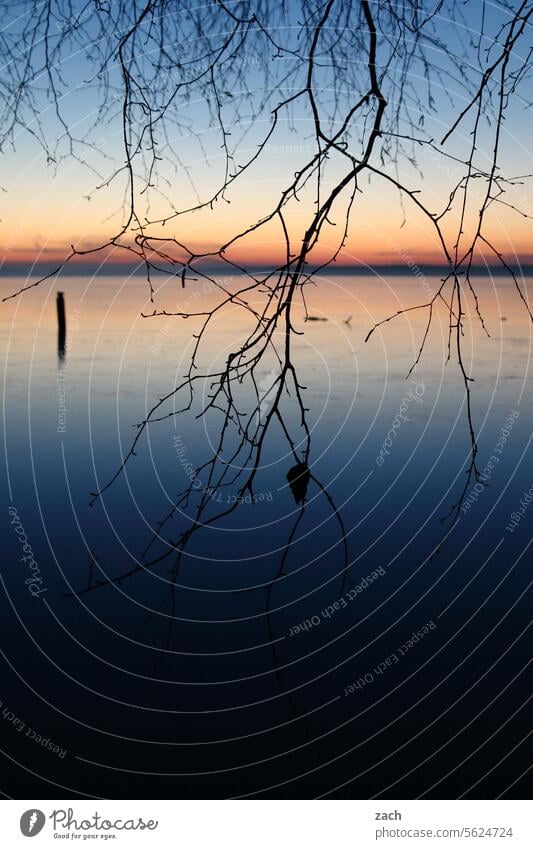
[[45, 206]]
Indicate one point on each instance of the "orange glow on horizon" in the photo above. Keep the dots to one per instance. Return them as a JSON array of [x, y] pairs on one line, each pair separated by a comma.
[[377, 236], [265, 253]]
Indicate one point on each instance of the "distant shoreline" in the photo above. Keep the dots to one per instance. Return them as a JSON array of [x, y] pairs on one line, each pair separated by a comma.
[[78, 269]]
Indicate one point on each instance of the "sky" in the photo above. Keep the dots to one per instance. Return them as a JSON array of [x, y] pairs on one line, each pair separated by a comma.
[[47, 206]]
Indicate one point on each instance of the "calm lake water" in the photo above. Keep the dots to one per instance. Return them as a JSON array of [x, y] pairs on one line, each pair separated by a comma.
[[242, 699]]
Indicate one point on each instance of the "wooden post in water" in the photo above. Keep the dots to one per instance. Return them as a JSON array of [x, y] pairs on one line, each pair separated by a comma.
[[61, 325]]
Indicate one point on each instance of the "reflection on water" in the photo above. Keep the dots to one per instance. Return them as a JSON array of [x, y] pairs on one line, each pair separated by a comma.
[[271, 700]]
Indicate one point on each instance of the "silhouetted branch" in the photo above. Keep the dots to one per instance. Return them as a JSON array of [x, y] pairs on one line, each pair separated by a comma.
[[362, 76]]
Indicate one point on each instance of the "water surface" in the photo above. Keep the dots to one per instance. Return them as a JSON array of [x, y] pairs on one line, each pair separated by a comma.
[[240, 698]]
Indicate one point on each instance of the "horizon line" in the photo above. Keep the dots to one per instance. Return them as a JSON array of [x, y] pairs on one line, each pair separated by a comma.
[[111, 269]]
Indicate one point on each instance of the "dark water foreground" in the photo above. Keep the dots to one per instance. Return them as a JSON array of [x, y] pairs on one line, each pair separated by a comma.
[[408, 677]]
